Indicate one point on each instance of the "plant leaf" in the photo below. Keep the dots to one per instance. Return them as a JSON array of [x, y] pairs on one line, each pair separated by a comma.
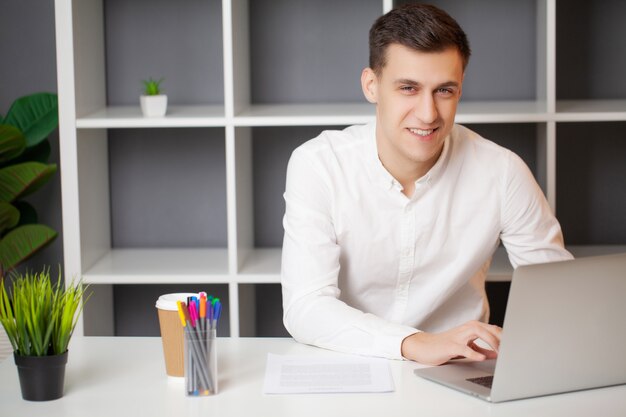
[[22, 179], [22, 242], [36, 115], [12, 143], [9, 216]]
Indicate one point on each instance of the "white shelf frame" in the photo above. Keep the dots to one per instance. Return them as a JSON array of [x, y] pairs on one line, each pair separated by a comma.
[[85, 119]]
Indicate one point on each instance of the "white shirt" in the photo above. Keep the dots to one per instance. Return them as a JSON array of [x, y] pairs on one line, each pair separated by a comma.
[[364, 266]]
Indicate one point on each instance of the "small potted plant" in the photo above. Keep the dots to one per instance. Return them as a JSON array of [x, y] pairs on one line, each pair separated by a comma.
[[153, 103], [39, 317]]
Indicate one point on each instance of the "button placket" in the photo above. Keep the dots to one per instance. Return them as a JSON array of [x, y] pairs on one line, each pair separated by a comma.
[[405, 265]]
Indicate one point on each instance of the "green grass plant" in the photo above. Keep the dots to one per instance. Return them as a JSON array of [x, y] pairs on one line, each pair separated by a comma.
[[40, 316]]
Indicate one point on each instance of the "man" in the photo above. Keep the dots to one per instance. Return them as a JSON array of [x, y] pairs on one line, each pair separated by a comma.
[[390, 227]]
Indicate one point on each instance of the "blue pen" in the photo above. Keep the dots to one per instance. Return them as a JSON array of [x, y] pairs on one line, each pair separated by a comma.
[[218, 312]]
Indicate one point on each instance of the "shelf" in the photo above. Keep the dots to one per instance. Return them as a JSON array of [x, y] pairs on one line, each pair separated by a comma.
[[590, 110], [583, 251], [131, 117], [160, 266], [501, 112], [261, 266], [306, 114]]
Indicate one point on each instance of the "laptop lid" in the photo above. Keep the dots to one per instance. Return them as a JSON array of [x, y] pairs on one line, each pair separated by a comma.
[[564, 330]]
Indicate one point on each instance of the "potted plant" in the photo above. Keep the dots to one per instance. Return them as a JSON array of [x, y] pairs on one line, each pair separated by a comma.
[[39, 317], [153, 103], [24, 168]]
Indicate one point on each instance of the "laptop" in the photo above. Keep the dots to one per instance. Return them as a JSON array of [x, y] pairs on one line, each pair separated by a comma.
[[564, 330]]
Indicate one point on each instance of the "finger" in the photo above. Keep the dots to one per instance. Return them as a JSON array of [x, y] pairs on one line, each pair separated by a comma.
[[471, 354], [489, 354], [487, 334]]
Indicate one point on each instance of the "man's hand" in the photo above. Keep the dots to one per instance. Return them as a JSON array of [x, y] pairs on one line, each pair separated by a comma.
[[438, 348]]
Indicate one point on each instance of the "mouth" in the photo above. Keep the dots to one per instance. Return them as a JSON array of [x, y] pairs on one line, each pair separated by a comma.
[[423, 134]]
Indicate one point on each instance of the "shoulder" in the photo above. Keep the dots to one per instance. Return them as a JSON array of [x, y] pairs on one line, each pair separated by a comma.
[[473, 149], [335, 142], [334, 149]]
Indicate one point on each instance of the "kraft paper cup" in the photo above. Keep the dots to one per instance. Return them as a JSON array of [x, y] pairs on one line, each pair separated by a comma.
[[172, 332]]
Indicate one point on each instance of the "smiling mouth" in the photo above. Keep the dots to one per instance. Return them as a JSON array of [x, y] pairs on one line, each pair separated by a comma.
[[422, 132]]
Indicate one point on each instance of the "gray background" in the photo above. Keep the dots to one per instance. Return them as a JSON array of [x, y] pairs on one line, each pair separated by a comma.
[[157, 174]]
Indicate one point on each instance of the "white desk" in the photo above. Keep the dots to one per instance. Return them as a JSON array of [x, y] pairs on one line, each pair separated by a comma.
[[117, 377]]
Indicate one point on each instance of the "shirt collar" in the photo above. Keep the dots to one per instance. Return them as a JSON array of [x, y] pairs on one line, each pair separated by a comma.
[[379, 174]]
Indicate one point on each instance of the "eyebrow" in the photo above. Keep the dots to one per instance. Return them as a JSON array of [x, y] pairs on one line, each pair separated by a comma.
[[414, 83]]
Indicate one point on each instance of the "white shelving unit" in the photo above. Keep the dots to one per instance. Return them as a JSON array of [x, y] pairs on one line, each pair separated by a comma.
[[86, 119]]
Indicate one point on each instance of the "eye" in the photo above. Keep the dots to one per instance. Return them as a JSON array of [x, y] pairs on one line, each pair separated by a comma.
[[445, 91], [407, 89]]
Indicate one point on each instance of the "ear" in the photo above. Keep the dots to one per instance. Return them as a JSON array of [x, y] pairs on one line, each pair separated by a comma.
[[369, 84]]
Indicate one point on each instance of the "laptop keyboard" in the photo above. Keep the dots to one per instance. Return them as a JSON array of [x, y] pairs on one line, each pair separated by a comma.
[[485, 381]]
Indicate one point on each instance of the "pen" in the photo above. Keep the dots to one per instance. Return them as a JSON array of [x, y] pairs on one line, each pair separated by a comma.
[[183, 315]]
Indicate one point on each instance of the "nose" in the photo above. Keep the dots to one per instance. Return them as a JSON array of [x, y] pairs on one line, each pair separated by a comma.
[[426, 109]]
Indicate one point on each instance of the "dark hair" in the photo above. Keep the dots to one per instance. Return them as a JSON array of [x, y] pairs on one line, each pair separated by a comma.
[[421, 27]]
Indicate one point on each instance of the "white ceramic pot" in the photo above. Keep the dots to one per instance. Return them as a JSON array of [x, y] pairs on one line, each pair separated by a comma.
[[154, 106]]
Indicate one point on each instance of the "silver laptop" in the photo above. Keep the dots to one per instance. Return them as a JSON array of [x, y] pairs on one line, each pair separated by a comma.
[[564, 330]]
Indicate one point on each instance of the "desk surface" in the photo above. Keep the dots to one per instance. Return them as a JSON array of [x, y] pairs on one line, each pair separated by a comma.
[[126, 377]]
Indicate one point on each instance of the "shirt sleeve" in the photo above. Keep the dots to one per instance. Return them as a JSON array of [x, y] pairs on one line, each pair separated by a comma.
[[530, 232], [313, 312]]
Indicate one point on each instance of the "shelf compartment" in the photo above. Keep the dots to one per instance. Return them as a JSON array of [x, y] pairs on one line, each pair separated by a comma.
[[590, 192], [182, 43], [590, 50], [160, 266], [167, 187], [131, 117], [305, 62], [261, 311]]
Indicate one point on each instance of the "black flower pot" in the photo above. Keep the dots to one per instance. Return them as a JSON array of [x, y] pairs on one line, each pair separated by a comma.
[[41, 377]]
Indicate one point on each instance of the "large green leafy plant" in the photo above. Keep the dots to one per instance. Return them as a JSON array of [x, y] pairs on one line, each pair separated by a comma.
[[39, 317], [24, 168]]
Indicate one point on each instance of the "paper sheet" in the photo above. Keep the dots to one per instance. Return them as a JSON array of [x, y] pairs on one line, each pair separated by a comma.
[[289, 374]]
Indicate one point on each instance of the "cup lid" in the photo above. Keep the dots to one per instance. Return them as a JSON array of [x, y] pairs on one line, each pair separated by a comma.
[[168, 301]]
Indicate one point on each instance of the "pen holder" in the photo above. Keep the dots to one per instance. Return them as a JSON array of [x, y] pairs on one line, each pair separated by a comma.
[[200, 362]]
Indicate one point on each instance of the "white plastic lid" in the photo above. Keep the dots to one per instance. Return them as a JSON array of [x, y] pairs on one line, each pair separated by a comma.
[[168, 301]]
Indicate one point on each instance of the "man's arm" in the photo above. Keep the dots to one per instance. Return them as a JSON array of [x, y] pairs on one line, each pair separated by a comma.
[[530, 232]]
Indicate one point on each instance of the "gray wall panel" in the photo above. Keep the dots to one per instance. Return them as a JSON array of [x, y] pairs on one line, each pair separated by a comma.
[[591, 49], [180, 41], [295, 59], [168, 187]]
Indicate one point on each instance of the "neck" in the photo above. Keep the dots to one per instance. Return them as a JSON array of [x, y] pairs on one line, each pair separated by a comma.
[[403, 169]]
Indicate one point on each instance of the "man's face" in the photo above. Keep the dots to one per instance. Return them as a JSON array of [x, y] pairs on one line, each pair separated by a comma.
[[416, 95]]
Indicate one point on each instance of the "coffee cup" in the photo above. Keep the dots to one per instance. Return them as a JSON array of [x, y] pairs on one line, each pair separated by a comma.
[[172, 332]]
